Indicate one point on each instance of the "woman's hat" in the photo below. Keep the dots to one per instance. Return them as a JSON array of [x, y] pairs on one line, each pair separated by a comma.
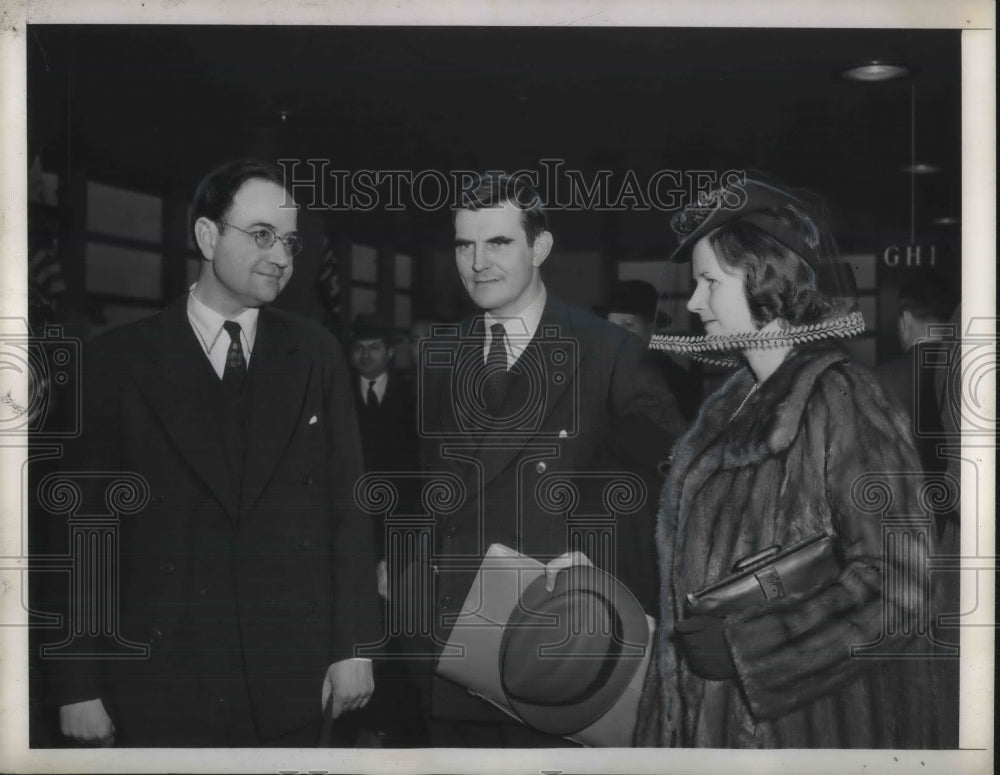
[[567, 656], [749, 200]]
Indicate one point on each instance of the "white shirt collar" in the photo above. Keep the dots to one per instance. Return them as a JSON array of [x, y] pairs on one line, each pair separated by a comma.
[[520, 329], [381, 382], [207, 325]]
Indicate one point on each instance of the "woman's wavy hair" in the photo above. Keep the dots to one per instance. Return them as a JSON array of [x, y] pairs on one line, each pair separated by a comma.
[[778, 282]]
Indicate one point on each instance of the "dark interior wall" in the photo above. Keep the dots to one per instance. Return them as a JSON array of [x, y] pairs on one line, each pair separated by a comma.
[[152, 109]]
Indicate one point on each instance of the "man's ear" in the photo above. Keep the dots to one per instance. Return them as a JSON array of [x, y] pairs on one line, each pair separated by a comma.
[[206, 234], [541, 248]]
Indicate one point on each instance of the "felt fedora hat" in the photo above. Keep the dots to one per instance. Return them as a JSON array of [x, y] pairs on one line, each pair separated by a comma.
[[749, 200], [567, 656], [373, 327]]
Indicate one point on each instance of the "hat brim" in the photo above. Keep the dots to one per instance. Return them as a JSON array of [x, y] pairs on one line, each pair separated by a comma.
[[682, 253], [758, 196], [572, 717], [385, 336]]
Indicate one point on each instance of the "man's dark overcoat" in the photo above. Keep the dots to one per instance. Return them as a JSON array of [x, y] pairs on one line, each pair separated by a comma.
[[389, 429], [255, 585], [582, 392]]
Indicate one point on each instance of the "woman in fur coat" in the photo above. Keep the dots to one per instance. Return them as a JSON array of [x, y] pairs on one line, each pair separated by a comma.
[[799, 440]]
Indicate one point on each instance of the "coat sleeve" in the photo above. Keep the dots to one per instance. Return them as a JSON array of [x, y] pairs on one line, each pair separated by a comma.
[[356, 615], [647, 418], [95, 450], [644, 423], [789, 653]]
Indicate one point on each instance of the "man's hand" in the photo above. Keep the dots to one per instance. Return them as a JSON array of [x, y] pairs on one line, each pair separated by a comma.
[[562, 562], [87, 722], [351, 683], [382, 579]]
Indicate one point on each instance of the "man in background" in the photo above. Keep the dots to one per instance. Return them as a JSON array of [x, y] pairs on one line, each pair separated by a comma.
[[384, 397], [921, 380], [926, 304]]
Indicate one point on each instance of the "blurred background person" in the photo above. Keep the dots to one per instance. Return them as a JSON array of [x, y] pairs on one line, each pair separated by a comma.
[[384, 401], [928, 327], [926, 304], [383, 396]]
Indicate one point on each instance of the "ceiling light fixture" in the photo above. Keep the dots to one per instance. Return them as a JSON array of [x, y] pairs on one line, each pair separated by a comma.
[[946, 220], [920, 168], [873, 72]]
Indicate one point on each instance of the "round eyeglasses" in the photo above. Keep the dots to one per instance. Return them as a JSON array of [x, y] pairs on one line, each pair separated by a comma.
[[265, 238]]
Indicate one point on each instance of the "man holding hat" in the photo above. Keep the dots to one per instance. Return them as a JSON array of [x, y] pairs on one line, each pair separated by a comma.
[[518, 407]]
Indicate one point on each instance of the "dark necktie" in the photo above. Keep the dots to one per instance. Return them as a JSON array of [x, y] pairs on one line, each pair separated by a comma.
[[370, 398], [236, 365], [495, 379]]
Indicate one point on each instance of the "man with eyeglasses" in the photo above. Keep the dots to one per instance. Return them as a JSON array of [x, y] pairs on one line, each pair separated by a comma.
[[249, 573]]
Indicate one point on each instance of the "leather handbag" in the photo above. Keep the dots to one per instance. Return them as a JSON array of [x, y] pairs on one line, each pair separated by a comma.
[[771, 574]]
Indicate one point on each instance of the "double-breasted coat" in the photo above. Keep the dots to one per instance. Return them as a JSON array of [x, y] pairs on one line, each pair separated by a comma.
[[585, 409]]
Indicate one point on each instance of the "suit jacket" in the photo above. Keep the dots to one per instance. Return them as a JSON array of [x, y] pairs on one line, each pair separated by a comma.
[[389, 430], [913, 387], [585, 387], [260, 585], [390, 444]]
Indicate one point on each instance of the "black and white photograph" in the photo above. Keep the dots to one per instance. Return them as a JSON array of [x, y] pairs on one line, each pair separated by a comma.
[[491, 389]]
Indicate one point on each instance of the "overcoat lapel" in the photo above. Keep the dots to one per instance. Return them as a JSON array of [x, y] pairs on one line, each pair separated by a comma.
[[542, 363], [173, 380], [281, 373]]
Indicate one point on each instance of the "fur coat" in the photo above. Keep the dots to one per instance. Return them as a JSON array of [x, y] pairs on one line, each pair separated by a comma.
[[818, 446]]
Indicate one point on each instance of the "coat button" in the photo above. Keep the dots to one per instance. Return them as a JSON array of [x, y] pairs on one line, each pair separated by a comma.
[[541, 467], [167, 567]]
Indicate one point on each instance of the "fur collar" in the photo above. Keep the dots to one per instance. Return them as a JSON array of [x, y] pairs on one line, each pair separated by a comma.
[[770, 420]]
